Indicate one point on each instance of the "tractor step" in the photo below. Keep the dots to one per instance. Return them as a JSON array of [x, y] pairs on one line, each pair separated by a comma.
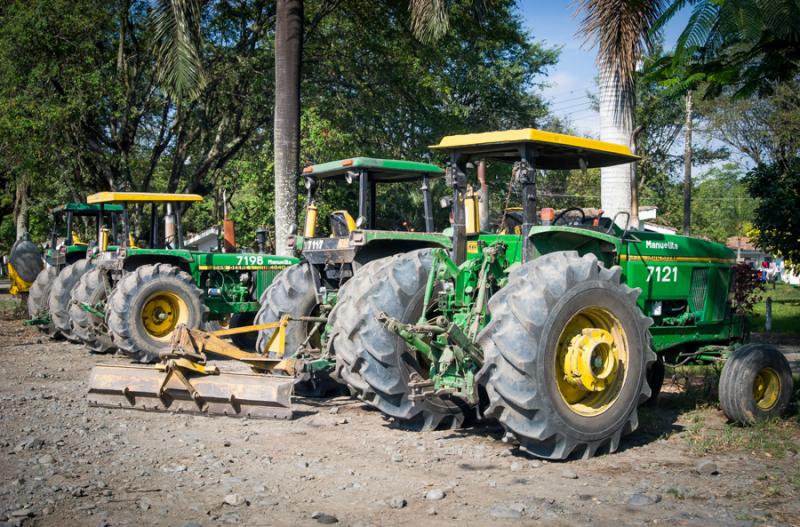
[[179, 390]]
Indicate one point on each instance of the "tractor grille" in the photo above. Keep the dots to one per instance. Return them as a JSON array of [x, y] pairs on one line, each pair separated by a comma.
[[266, 277], [697, 294]]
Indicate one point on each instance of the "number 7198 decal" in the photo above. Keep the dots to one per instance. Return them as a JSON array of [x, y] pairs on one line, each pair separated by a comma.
[[247, 259]]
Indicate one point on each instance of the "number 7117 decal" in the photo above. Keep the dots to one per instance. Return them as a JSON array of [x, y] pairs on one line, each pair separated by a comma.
[[662, 273]]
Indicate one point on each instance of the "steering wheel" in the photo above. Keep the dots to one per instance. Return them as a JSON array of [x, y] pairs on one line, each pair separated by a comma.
[[561, 215]]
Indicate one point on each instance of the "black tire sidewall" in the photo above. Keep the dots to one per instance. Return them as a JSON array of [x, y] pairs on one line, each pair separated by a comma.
[[593, 293], [302, 305], [739, 374], [246, 341]]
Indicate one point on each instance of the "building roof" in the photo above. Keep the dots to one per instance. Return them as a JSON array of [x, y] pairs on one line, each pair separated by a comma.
[[740, 242]]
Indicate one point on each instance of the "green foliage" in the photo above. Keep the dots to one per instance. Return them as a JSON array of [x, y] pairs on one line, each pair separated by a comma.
[[178, 43], [785, 311], [84, 106], [776, 220], [721, 204], [749, 44]]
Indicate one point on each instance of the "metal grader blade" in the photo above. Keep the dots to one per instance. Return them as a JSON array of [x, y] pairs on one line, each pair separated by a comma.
[[184, 382], [158, 389]]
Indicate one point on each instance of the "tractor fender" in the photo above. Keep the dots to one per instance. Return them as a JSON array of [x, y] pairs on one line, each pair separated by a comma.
[[383, 247], [548, 239], [179, 260]]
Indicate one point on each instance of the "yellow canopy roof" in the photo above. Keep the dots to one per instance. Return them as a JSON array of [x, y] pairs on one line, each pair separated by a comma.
[[142, 197], [551, 150]]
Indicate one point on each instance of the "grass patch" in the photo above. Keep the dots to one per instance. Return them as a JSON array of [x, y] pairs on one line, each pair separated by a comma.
[[785, 310], [690, 404], [775, 437]]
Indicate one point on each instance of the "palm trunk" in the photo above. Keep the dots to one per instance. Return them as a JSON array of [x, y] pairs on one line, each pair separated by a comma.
[[288, 55], [615, 127], [21, 206], [687, 169]]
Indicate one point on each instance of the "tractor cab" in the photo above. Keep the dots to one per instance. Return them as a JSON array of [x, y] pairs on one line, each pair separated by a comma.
[[526, 151], [67, 245], [368, 173], [163, 208], [355, 240]]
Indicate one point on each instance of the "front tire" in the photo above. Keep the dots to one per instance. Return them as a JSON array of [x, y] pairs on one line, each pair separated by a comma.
[[756, 384], [290, 293], [61, 297], [375, 363], [93, 290], [245, 341], [147, 305], [566, 354], [39, 293]]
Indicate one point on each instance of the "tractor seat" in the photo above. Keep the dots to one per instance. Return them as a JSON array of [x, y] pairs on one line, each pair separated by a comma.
[[512, 224], [342, 224]]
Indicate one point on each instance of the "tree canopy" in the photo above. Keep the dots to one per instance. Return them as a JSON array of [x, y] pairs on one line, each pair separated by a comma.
[[85, 107]]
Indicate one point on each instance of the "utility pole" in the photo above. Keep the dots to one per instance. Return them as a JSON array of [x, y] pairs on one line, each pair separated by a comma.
[[687, 168]]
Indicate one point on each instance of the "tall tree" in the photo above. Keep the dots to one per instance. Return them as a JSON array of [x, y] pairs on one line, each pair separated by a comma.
[[621, 31], [288, 59]]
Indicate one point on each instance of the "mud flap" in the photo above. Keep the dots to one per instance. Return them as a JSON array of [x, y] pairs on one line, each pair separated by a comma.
[[177, 390]]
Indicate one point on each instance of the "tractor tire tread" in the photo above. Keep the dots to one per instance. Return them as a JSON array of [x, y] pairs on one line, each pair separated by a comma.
[[121, 321], [511, 342]]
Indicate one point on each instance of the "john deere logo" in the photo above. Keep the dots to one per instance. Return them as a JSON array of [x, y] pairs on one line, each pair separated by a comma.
[[669, 246]]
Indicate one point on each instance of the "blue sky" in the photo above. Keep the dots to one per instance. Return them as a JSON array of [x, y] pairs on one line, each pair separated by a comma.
[[555, 22]]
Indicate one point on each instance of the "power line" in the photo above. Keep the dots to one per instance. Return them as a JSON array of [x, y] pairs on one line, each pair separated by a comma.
[[556, 103], [579, 105]]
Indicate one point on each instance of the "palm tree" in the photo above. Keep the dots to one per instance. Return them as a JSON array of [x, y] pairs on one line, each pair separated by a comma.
[[621, 31], [178, 43], [286, 142]]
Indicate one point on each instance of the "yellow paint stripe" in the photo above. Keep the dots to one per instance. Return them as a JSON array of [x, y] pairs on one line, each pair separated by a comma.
[[242, 267], [677, 259], [532, 135]]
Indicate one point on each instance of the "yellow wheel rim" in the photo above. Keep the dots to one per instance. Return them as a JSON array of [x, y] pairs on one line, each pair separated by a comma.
[[162, 312], [767, 389], [591, 361]]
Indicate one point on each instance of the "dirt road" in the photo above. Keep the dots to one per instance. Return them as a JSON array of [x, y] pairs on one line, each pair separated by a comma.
[[64, 463]]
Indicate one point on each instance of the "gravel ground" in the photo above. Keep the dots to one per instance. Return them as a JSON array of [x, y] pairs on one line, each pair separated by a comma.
[[64, 463]]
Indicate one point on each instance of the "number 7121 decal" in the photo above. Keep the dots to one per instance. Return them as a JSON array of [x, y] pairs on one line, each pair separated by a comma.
[[662, 273]]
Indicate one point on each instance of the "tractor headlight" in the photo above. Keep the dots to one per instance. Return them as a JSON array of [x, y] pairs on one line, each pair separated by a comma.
[[656, 309]]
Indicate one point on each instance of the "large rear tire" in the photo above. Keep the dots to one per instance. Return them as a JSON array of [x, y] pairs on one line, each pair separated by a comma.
[[560, 315], [756, 384], [39, 293], [93, 289], [290, 293], [146, 306], [61, 296], [375, 363], [245, 341]]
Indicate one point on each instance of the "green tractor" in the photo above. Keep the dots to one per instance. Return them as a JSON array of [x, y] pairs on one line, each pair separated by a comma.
[[308, 290], [67, 257], [138, 294], [553, 331]]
